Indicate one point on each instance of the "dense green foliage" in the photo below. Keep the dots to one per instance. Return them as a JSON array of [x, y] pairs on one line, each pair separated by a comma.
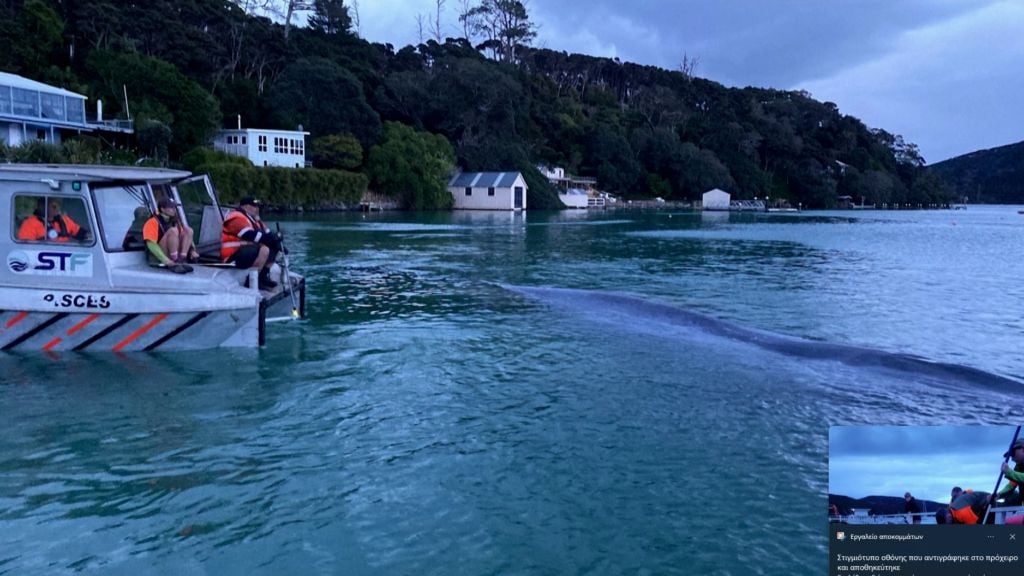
[[641, 131], [412, 166], [336, 151], [994, 176], [285, 187], [84, 150]]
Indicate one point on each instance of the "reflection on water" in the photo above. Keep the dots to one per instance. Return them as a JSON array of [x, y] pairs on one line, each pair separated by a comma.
[[427, 420]]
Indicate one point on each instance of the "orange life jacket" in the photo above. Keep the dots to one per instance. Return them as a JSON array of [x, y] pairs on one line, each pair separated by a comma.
[[235, 225]]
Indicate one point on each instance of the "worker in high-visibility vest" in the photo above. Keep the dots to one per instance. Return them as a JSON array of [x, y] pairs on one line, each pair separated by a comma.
[[247, 242]]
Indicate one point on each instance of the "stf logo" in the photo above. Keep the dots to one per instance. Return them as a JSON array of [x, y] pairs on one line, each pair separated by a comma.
[[50, 263], [17, 261]]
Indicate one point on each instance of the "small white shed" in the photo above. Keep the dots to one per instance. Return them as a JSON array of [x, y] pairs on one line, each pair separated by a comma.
[[488, 191], [716, 200]]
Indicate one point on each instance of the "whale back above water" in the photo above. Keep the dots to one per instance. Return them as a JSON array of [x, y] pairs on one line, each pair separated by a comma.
[[640, 311]]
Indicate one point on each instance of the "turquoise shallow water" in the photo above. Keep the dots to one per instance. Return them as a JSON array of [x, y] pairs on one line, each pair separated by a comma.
[[602, 393]]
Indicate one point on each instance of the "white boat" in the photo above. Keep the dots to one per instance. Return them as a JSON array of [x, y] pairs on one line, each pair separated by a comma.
[[99, 291]]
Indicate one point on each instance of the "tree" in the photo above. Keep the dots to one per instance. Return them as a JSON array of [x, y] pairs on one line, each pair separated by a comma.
[[38, 36], [413, 167], [325, 98], [504, 24], [341, 151], [161, 93], [154, 138], [330, 17], [283, 9]]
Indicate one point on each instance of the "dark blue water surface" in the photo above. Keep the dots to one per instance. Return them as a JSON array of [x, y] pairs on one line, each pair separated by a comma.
[[474, 393]]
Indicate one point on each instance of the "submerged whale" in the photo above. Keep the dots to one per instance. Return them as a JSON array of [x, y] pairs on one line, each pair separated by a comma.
[[640, 309]]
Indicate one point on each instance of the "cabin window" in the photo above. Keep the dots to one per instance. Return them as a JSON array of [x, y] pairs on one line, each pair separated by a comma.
[[76, 109], [122, 211], [5, 99], [469, 191], [51, 220], [490, 191], [263, 145], [25, 102], [53, 106], [244, 139]]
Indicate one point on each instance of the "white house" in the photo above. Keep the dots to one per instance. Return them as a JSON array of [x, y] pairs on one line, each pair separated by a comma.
[[716, 200], [264, 147], [31, 110], [488, 191]]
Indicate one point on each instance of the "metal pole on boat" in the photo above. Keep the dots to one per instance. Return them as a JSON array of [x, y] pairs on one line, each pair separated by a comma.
[[1000, 479], [287, 274]]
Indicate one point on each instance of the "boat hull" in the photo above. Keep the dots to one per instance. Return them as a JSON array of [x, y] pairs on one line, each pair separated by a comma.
[[48, 320]]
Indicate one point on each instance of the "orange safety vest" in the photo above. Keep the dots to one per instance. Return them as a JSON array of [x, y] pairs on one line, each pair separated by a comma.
[[155, 228], [236, 224], [66, 227], [32, 228]]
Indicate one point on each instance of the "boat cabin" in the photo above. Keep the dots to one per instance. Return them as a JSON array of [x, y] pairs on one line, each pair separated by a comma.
[[78, 274]]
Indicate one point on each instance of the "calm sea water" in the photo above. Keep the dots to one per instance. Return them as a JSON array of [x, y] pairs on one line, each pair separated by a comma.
[[601, 393]]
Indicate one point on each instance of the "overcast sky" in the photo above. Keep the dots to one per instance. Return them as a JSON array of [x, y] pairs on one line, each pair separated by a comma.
[[944, 74], [926, 461]]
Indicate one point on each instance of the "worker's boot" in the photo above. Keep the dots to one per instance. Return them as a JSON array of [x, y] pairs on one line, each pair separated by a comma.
[[265, 283]]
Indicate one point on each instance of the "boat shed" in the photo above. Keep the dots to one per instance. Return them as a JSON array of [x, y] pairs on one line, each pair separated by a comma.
[[31, 110], [264, 147], [488, 191], [715, 200]]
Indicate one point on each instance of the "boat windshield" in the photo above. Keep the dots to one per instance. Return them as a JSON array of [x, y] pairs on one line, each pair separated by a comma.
[[202, 212], [122, 210]]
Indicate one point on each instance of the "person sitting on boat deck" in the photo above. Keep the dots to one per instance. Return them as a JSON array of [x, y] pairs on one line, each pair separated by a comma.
[[169, 240], [969, 507], [1013, 493], [58, 227], [247, 242], [913, 506]]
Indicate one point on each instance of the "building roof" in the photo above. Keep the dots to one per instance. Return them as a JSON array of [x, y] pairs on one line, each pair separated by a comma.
[[263, 130], [484, 179], [15, 81], [89, 172]]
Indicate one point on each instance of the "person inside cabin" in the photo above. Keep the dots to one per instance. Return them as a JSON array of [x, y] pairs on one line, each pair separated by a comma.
[[67, 229], [168, 239], [33, 228], [49, 223], [247, 242]]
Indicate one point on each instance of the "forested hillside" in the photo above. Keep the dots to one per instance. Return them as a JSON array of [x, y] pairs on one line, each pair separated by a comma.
[[195, 65], [994, 176]]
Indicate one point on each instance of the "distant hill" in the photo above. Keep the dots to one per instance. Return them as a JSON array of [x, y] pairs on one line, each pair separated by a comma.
[[878, 504], [993, 176]]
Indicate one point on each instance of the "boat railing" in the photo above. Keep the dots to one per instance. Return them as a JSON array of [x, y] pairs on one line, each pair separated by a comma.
[[1000, 514], [906, 518], [1003, 512]]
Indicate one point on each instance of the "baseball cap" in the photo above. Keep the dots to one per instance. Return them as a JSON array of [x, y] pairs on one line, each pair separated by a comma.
[[250, 201], [166, 203]]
